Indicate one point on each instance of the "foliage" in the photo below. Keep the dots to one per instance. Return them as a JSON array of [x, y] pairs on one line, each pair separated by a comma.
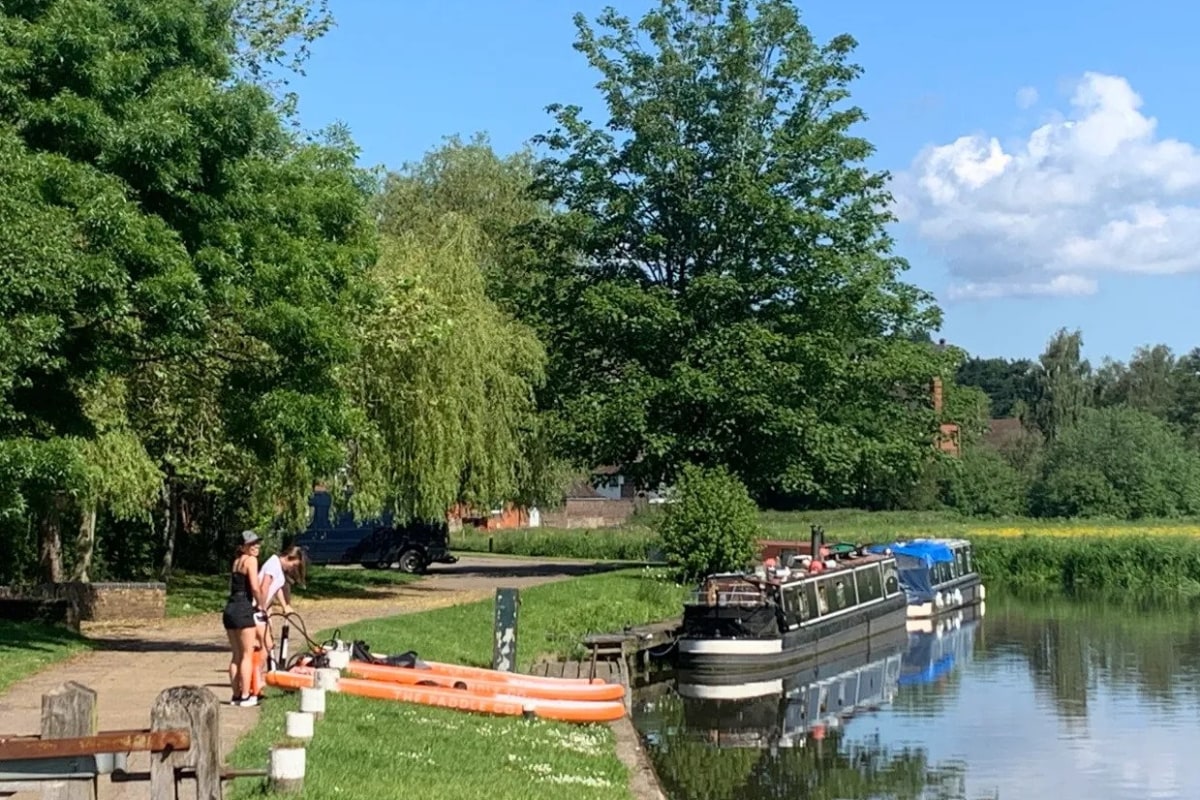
[[1006, 383], [464, 197], [713, 524], [722, 287], [1118, 463], [180, 256], [982, 484], [1129, 567], [444, 380], [1061, 384]]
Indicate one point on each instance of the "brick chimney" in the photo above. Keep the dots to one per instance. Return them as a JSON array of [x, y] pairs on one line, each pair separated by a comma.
[[936, 393]]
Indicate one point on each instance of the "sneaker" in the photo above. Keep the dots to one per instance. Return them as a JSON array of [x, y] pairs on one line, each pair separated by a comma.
[[235, 701], [248, 702]]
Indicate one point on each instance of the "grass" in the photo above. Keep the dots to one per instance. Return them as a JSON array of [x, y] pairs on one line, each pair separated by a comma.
[[194, 593], [627, 543], [371, 748], [26, 647]]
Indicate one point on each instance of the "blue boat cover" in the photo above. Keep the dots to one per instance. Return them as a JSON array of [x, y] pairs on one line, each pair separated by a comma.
[[929, 551]]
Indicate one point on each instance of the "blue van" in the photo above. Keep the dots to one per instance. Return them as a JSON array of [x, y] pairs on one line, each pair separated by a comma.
[[376, 543]]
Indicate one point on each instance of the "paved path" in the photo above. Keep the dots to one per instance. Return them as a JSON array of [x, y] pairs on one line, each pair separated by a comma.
[[134, 663]]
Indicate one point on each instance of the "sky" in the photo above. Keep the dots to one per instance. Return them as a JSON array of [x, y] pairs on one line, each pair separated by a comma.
[[1042, 153]]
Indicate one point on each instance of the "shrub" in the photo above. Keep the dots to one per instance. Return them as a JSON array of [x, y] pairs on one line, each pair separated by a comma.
[[712, 525], [983, 484]]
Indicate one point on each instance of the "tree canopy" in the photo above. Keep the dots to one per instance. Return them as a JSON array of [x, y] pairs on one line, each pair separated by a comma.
[[726, 291]]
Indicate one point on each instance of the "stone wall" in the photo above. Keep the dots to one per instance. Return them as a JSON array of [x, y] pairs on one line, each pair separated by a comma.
[[102, 602]]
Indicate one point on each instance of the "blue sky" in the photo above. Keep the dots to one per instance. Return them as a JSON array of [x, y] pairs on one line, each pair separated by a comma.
[[1094, 224]]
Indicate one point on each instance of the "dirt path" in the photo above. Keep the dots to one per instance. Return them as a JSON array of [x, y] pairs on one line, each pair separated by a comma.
[[133, 663]]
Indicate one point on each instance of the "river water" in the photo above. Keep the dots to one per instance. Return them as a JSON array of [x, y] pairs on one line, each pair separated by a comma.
[[1046, 699]]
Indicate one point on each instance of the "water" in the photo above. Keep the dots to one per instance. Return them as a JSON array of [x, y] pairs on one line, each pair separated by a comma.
[[1049, 699]]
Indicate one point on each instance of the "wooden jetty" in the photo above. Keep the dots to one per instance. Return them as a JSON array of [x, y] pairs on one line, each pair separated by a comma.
[[609, 655]]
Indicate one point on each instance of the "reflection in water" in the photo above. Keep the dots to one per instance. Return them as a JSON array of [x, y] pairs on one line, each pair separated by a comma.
[[1049, 699]]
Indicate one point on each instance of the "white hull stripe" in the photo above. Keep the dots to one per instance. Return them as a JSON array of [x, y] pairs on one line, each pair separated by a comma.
[[742, 691], [731, 646]]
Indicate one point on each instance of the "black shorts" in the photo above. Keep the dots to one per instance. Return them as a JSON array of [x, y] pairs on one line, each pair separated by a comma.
[[238, 616]]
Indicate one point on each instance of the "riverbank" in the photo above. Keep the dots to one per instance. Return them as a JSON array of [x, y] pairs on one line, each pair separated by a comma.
[[411, 750], [1150, 560]]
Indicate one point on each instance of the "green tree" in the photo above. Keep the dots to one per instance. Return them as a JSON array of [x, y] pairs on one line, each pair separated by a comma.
[[711, 525], [176, 236], [1118, 462], [1147, 382], [982, 484], [723, 287], [1005, 382], [1062, 384]]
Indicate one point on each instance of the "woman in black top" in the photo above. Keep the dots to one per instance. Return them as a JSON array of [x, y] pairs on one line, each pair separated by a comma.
[[244, 599]]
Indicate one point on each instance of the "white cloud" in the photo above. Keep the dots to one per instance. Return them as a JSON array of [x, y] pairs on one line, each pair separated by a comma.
[[1089, 192], [1027, 97]]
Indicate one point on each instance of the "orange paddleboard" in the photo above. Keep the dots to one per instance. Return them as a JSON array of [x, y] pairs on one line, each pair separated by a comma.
[[463, 699], [521, 686]]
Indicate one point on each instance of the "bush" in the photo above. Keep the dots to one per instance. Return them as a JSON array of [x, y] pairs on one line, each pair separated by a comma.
[[1118, 462], [713, 524], [983, 484]]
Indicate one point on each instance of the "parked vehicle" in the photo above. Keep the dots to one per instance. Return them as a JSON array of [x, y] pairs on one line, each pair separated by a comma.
[[375, 544]]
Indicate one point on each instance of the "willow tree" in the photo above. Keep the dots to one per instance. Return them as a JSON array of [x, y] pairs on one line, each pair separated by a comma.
[[443, 382]]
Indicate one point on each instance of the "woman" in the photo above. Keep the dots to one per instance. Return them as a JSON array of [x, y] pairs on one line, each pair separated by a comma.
[[275, 578], [245, 594]]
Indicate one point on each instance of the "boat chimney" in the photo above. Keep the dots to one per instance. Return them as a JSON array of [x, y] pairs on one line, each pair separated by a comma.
[[818, 538]]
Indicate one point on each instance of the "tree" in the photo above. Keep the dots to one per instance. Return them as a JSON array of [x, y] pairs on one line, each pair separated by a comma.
[[724, 290], [175, 235], [1147, 383], [1118, 462], [1062, 383], [1005, 382], [712, 525]]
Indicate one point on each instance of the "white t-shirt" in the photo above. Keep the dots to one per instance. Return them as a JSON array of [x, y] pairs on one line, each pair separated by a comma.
[[274, 568]]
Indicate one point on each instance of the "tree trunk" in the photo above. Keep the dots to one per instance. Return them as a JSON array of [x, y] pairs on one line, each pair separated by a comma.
[[170, 530], [50, 539], [85, 545]]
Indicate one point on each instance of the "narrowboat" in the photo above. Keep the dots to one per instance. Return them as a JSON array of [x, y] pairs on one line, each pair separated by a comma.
[[938, 575], [756, 623], [821, 696]]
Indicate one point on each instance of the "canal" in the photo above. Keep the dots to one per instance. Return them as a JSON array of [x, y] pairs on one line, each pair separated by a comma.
[[1048, 699]]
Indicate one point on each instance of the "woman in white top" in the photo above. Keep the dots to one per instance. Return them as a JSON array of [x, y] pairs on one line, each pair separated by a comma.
[[275, 578]]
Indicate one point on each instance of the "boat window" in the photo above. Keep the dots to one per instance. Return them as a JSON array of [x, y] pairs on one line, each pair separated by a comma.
[[839, 591], [870, 583], [891, 583], [823, 596], [810, 597], [796, 603], [960, 556], [969, 560]]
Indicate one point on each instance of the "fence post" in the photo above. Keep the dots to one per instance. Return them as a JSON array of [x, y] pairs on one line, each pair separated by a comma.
[[196, 709], [504, 649], [69, 711]]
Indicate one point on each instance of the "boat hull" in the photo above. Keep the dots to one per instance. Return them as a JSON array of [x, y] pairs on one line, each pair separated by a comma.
[[766, 657], [954, 595], [548, 689]]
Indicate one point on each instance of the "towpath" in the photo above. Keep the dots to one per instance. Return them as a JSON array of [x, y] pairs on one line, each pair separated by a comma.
[[132, 664]]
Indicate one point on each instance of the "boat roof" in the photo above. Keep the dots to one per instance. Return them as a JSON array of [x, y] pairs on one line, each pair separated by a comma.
[[931, 551]]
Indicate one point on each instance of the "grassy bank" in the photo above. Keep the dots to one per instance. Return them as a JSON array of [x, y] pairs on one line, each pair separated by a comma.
[[372, 748], [194, 593], [1154, 559], [27, 647]]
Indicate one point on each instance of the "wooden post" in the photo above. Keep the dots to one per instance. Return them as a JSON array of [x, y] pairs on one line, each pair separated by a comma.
[[287, 768], [196, 709], [312, 701], [69, 711], [504, 645]]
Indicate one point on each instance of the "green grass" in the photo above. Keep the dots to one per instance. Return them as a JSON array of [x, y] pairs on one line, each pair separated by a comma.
[[194, 593], [626, 543], [372, 748], [27, 647]]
